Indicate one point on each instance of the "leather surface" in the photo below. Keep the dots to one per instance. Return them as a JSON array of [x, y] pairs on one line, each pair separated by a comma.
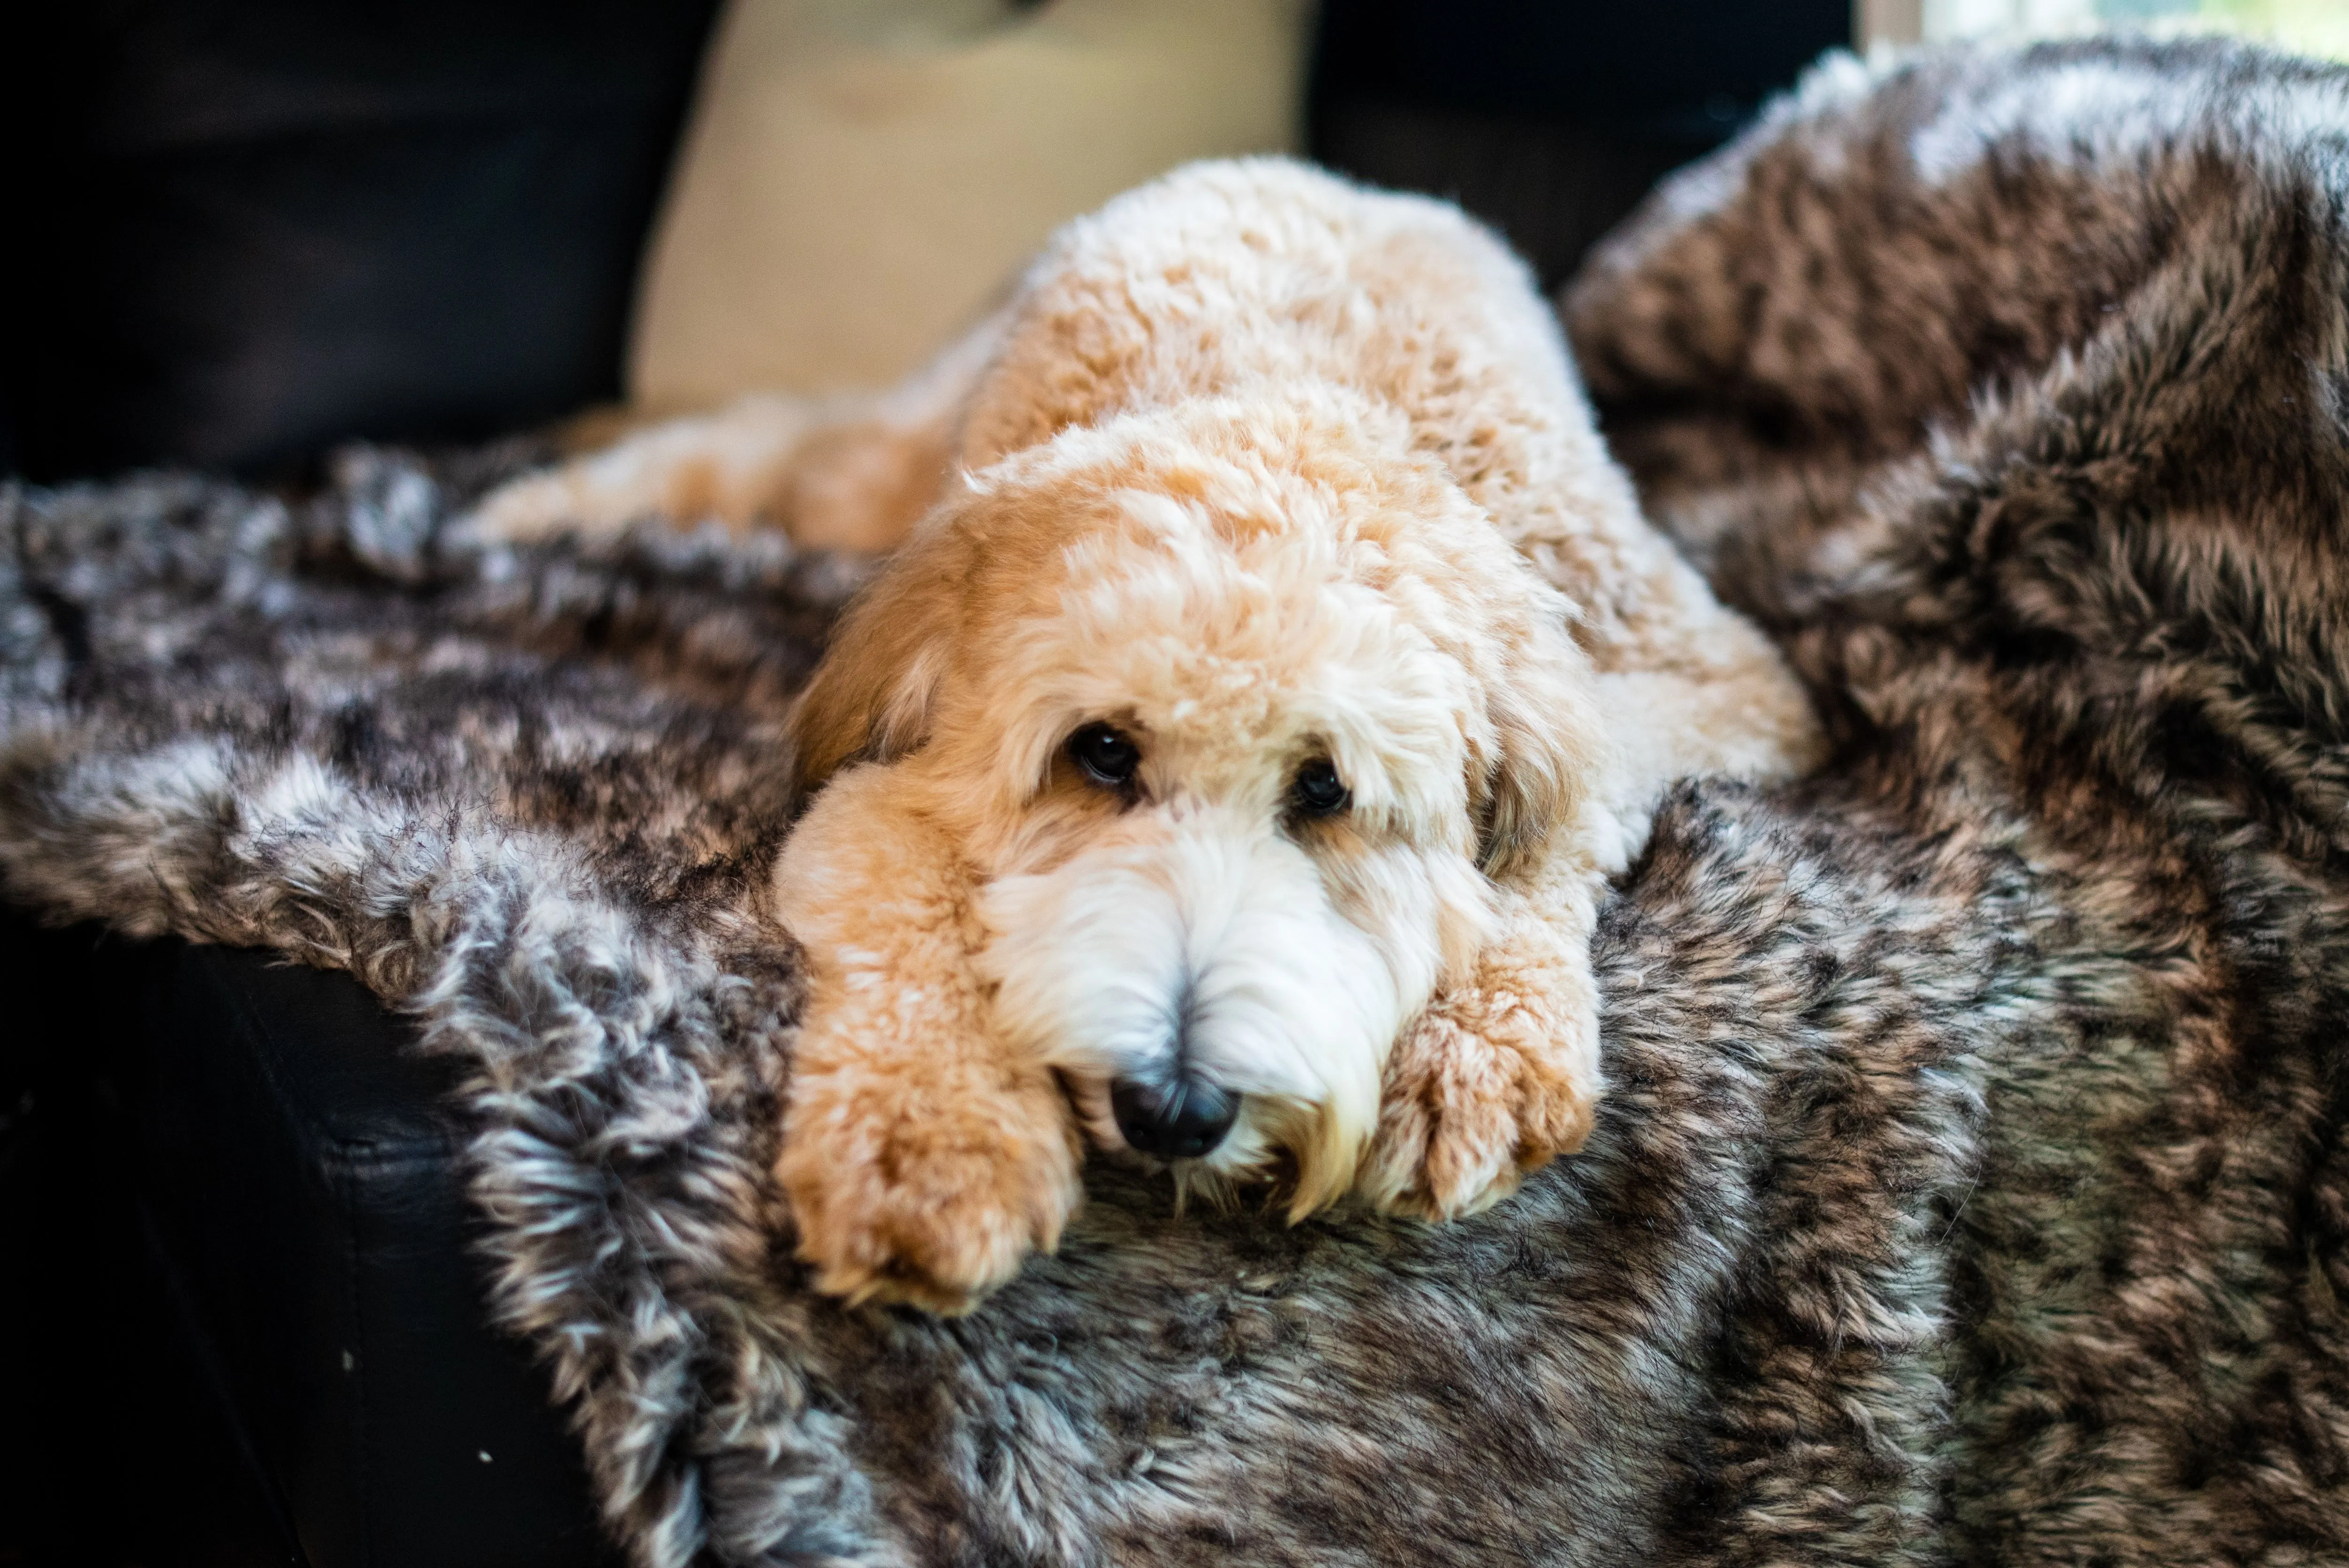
[[109, 1380], [305, 1185], [1681, 70], [241, 231], [1549, 122]]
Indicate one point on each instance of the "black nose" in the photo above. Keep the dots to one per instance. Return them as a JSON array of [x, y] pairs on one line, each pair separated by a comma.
[[1179, 1120]]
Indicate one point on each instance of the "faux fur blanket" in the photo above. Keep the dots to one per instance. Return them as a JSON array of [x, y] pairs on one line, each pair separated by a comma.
[[1971, 1185]]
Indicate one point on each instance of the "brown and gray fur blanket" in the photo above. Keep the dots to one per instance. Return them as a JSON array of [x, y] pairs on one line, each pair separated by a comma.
[[1971, 1185]]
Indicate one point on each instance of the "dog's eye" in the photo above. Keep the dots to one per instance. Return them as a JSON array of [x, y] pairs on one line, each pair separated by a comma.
[[1106, 756], [1318, 791]]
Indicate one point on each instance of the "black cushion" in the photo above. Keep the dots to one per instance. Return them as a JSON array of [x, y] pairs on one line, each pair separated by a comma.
[[299, 1191], [1549, 122], [307, 1185], [245, 230]]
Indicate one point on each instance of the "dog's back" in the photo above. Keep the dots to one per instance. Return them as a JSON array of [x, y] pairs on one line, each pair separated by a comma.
[[1268, 273]]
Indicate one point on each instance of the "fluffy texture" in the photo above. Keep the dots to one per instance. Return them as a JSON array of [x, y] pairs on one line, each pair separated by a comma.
[[1970, 1187], [1260, 476]]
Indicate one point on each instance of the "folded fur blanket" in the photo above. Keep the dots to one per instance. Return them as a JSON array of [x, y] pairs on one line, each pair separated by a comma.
[[1971, 1182]]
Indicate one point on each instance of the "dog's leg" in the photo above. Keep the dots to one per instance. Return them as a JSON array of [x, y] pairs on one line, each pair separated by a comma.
[[1501, 1072], [847, 473], [728, 465], [831, 477], [923, 1161]]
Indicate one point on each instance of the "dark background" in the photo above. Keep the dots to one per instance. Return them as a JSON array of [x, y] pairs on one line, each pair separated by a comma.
[[245, 229], [248, 228], [241, 229]]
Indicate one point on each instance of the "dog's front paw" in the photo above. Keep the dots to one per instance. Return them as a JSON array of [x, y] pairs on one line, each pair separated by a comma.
[[930, 1192], [1497, 1076]]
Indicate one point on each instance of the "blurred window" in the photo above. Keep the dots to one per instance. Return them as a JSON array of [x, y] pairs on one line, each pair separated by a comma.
[[2307, 26]]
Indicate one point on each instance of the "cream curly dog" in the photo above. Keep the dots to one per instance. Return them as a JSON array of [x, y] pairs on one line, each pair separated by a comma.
[[1272, 669]]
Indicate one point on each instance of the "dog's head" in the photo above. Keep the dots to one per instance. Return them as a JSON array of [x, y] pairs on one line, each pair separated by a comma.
[[1239, 710]]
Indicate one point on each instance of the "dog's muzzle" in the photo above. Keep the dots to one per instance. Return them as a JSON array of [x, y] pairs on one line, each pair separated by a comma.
[[1190, 977], [1182, 1120]]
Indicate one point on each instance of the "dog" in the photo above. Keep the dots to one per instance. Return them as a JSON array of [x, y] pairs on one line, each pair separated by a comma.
[[1270, 669]]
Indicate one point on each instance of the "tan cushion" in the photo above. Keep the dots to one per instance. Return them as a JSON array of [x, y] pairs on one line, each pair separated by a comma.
[[862, 176]]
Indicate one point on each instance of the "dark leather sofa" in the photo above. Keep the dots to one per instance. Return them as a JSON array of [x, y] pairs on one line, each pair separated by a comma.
[[234, 1267]]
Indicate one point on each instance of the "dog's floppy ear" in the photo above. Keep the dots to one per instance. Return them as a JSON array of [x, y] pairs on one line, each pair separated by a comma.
[[870, 698], [1546, 743]]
